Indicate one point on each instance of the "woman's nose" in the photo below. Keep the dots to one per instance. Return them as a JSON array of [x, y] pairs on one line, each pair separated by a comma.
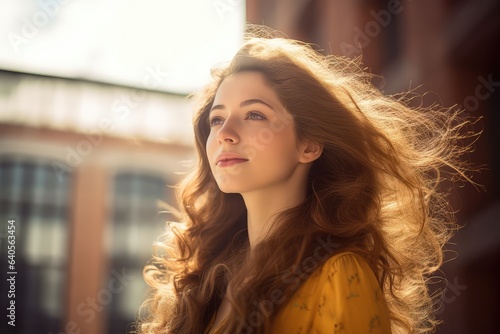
[[227, 133]]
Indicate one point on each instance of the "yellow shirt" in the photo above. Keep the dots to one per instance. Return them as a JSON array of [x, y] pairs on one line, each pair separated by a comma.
[[342, 296]]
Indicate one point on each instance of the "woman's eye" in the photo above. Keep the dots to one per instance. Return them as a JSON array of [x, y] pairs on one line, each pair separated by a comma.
[[216, 120], [255, 116]]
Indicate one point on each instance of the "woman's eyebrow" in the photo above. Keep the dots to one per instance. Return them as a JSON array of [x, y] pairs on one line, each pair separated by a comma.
[[243, 104], [252, 101]]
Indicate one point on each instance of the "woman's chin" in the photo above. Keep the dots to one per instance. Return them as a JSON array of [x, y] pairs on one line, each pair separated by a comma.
[[229, 189]]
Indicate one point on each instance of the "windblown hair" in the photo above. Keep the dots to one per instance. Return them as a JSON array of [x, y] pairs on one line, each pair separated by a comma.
[[376, 190]]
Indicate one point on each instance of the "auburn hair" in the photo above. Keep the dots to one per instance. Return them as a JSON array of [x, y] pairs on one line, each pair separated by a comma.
[[375, 190]]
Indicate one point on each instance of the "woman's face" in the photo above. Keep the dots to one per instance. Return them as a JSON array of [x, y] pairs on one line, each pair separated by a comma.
[[252, 143]]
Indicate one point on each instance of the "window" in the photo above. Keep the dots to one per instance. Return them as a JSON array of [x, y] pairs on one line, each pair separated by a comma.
[[135, 223], [32, 195]]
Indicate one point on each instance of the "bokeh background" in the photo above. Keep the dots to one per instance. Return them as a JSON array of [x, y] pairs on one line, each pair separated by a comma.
[[95, 132]]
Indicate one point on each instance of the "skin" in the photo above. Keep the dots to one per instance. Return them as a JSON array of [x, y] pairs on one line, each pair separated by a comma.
[[248, 119]]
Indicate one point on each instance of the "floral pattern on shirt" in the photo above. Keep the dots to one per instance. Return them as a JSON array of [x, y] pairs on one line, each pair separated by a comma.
[[343, 296]]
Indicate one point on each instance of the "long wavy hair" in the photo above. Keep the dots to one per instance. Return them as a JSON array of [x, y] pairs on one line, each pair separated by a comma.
[[375, 190]]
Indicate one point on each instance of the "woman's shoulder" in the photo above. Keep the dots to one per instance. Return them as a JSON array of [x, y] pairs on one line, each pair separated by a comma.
[[342, 276], [346, 258], [340, 271], [341, 294], [346, 270], [343, 263]]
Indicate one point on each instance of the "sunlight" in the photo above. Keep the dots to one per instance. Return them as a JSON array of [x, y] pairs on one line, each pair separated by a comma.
[[120, 41]]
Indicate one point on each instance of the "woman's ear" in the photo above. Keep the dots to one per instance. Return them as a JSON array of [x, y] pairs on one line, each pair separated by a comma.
[[310, 151]]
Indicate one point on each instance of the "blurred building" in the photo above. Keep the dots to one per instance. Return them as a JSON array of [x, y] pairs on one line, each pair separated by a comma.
[[445, 49], [84, 167]]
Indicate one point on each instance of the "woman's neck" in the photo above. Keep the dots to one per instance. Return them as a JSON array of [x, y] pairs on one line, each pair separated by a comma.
[[263, 206]]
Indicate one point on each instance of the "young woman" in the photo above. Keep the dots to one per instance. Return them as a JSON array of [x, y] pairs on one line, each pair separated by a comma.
[[314, 207]]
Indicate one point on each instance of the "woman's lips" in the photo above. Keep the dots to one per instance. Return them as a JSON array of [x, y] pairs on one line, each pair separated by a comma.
[[226, 159], [230, 162]]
